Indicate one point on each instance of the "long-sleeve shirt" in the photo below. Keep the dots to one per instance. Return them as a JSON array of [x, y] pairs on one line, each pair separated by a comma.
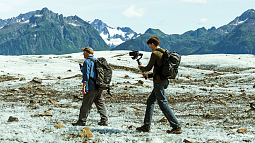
[[156, 58], [88, 72]]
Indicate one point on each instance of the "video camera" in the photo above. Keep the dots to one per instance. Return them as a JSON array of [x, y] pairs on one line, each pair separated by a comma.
[[135, 55]]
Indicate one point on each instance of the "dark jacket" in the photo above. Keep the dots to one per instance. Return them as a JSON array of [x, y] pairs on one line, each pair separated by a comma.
[[155, 61]]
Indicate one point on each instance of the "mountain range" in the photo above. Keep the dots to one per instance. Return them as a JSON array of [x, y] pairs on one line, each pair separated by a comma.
[[233, 38], [46, 32]]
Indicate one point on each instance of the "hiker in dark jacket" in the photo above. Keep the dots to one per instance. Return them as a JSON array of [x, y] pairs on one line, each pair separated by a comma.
[[90, 93], [158, 92]]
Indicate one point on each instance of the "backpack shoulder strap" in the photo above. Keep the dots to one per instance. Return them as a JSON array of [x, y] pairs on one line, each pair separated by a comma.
[[94, 80], [158, 67], [160, 49], [92, 60]]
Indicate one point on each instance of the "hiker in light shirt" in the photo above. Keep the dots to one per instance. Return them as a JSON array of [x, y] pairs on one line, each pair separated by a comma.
[[90, 93]]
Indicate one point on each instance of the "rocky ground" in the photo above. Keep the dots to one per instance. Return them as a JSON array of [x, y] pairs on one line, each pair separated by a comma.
[[215, 106]]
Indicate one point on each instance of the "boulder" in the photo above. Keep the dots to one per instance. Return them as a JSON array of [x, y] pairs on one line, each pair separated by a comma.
[[252, 105], [53, 101], [136, 107], [189, 140], [46, 113], [37, 80], [61, 125], [86, 132], [207, 115], [126, 88], [131, 127], [198, 124], [13, 119], [241, 130], [140, 82], [190, 124], [33, 101], [22, 79]]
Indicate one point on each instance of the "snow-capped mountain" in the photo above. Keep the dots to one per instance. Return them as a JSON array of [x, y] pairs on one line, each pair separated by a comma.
[[114, 36], [240, 19], [20, 18]]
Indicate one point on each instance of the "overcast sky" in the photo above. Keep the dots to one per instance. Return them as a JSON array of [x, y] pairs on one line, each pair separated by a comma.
[[170, 16]]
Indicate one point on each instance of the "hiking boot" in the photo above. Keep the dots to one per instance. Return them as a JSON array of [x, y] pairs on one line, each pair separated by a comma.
[[78, 123], [103, 123], [144, 128], [175, 131]]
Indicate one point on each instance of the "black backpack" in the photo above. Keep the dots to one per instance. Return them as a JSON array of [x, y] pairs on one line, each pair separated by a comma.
[[103, 74], [171, 62]]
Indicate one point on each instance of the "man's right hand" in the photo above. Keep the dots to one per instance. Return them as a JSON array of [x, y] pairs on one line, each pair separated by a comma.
[[83, 91], [145, 75]]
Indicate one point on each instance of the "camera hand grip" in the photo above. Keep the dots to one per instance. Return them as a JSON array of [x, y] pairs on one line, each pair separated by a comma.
[[80, 65], [139, 63]]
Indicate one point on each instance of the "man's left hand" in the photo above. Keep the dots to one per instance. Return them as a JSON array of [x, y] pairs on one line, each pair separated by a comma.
[[139, 66]]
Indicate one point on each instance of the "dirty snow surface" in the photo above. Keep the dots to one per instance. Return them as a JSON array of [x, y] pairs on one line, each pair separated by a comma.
[[211, 99]]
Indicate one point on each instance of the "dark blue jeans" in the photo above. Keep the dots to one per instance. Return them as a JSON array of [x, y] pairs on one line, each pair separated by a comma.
[[158, 93]]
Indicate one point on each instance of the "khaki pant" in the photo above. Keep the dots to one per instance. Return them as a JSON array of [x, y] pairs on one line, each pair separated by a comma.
[[88, 99]]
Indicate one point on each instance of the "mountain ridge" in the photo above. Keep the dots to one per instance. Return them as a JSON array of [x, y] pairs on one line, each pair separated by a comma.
[[47, 32], [199, 41], [18, 34]]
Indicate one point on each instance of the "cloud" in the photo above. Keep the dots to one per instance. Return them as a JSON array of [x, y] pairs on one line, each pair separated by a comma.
[[195, 1], [203, 21], [134, 11]]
